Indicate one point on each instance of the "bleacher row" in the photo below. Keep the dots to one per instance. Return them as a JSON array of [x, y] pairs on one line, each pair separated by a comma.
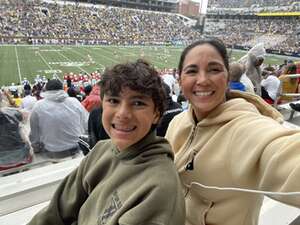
[[23, 194]]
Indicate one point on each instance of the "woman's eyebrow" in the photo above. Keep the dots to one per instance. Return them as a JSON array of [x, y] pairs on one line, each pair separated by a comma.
[[215, 63], [190, 66]]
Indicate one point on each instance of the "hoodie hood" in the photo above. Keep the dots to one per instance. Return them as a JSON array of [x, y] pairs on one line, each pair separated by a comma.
[[260, 104], [55, 95], [236, 105]]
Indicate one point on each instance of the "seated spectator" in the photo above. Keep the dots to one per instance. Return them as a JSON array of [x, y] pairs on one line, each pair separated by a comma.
[[87, 90], [172, 109], [28, 101], [93, 100], [73, 92], [270, 86], [236, 70], [95, 128], [57, 121], [14, 147], [36, 90], [17, 99], [130, 178], [288, 84]]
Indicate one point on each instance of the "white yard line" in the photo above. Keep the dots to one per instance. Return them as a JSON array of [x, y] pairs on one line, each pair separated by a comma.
[[72, 61], [18, 65], [44, 60]]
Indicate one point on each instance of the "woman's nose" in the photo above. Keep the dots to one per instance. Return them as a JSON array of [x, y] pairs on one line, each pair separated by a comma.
[[202, 77]]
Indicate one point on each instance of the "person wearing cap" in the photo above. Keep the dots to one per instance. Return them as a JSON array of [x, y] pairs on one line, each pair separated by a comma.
[[57, 121]]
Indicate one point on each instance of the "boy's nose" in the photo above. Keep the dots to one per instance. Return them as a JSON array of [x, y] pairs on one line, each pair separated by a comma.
[[123, 111]]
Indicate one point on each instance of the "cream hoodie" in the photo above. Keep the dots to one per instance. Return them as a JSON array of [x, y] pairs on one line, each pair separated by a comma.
[[240, 145]]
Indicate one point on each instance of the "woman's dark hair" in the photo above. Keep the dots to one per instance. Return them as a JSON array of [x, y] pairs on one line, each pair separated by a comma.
[[216, 43], [139, 76]]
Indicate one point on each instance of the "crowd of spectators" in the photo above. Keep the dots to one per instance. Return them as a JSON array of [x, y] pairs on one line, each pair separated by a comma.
[[41, 22], [38, 20], [247, 3], [281, 35]]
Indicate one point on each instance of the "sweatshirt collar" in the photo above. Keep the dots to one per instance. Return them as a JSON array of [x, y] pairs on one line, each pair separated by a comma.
[[147, 146]]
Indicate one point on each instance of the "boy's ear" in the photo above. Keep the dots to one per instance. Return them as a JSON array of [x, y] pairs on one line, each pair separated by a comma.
[[156, 117]]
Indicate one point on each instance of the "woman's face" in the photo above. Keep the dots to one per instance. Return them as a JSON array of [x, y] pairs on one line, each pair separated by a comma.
[[204, 79]]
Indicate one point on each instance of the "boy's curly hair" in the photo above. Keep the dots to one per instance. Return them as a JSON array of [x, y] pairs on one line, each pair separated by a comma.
[[139, 76]]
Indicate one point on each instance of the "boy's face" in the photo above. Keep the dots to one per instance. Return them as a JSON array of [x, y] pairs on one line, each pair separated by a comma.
[[128, 117]]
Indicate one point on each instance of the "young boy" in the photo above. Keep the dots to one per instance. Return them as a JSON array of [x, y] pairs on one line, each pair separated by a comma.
[[129, 179]]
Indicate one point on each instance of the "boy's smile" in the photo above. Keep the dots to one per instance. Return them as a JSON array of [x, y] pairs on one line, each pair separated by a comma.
[[128, 117]]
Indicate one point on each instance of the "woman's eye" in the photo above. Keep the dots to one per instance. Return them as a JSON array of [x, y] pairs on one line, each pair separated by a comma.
[[215, 70], [191, 71]]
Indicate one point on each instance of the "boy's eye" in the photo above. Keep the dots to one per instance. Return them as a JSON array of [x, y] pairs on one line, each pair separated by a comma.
[[112, 100], [139, 103]]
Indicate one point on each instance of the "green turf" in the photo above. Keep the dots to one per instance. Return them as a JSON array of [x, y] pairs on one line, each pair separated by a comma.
[[26, 61]]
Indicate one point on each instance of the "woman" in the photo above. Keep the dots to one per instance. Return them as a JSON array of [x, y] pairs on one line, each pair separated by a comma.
[[228, 140]]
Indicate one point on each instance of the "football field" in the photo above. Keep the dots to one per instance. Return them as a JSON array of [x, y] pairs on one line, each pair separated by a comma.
[[26, 61]]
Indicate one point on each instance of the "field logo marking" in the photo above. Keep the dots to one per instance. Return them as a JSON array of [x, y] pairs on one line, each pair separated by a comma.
[[49, 71], [70, 64]]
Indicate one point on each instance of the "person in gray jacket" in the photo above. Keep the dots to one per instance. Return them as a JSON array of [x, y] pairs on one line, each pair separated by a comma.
[[129, 179], [57, 121]]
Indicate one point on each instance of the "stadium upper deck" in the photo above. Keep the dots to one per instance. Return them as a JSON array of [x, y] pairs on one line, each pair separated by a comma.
[[154, 5], [242, 24], [247, 3]]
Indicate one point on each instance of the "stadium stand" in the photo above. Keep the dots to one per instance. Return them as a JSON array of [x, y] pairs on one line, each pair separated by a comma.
[[247, 3], [41, 22]]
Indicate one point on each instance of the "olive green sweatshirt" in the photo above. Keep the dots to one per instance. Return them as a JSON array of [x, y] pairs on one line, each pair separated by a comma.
[[137, 186]]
